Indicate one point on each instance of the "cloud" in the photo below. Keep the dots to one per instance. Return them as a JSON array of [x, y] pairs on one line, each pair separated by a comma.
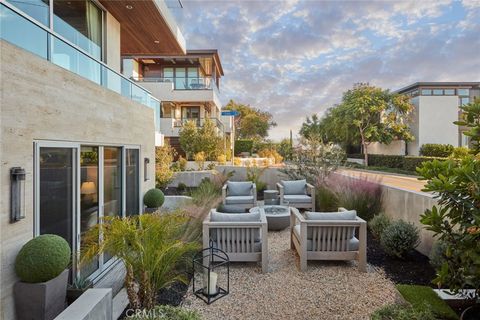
[[295, 58]]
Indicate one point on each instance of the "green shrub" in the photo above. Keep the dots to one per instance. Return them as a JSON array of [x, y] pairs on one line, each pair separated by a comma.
[[382, 160], [243, 145], [436, 150], [379, 223], [42, 258], [460, 152], [325, 199], [399, 238], [165, 312], [153, 198], [437, 254], [206, 193], [181, 187], [411, 163], [182, 163], [402, 312], [423, 297]]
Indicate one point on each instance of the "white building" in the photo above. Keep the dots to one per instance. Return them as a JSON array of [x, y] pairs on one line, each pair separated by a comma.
[[436, 108]]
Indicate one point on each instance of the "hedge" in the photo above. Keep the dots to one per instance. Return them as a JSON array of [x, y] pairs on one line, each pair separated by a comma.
[[436, 150], [243, 146], [407, 163]]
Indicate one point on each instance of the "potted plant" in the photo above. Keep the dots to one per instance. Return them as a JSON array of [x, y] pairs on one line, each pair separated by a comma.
[[153, 200], [77, 288], [41, 266]]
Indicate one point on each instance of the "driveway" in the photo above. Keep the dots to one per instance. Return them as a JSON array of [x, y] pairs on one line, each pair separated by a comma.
[[389, 179]]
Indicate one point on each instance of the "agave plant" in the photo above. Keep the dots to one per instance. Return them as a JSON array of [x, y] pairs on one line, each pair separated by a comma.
[[151, 246]]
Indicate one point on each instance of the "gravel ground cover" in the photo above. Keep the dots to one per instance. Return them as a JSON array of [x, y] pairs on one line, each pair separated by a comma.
[[327, 290]]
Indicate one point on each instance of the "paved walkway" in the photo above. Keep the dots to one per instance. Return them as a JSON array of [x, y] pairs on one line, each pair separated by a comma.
[[389, 179]]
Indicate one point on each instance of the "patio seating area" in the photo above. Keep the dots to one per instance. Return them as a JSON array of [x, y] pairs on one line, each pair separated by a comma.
[[326, 290]]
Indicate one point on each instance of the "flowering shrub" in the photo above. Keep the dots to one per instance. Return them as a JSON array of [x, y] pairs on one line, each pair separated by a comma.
[[200, 160], [399, 238]]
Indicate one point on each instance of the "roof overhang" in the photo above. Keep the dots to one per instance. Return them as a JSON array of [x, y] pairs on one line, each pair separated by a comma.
[[147, 27], [438, 84]]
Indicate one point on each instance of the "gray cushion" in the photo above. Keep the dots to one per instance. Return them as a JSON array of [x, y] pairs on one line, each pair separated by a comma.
[[239, 200], [353, 244], [226, 208], [234, 217], [239, 188], [297, 198], [343, 215], [294, 187]]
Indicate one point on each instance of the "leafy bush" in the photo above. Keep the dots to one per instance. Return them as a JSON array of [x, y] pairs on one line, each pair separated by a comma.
[[151, 246], [254, 174], [436, 150], [153, 198], [402, 312], [358, 194], [164, 312], [379, 223], [228, 154], [182, 163], [383, 160], [181, 187], [243, 145], [456, 220], [206, 192], [437, 254], [271, 153], [460, 152], [222, 159], [42, 258], [325, 199], [237, 161], [200, 160], [399, 238], [412, 163], [163, 162], [424, 298]]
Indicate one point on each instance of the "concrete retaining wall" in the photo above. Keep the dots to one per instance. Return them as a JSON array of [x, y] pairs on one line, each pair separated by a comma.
[[93, 304]]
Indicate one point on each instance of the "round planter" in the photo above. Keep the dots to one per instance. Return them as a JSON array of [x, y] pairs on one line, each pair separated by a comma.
[[471, 313]]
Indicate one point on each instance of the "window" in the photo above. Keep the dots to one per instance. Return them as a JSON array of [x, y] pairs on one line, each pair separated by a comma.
[[37, 9], [463, 92], [464, 100], [81, 23], [438, 92], [426, 92], [132, 177], [449, 92]]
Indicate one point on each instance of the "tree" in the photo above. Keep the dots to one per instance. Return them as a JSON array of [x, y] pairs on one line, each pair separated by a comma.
[[376, 114], [470, 118], [252, 123], [187, 137], [163, 162], [311, 129], [285, 149]]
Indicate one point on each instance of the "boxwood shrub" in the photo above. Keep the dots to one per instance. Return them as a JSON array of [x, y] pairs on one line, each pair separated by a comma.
[[407, 163], [436, 150], [243, 145]]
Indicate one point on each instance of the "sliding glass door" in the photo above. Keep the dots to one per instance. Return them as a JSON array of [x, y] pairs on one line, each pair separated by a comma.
[[77, 185]]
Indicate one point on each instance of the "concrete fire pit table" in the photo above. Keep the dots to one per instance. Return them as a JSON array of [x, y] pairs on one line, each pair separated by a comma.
[[278, 217]]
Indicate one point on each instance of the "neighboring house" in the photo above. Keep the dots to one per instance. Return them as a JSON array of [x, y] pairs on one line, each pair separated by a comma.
[[83, 132], [436, 108], [187, 85]]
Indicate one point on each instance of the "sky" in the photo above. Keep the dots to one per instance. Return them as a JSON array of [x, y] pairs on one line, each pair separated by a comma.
[[295, 58]]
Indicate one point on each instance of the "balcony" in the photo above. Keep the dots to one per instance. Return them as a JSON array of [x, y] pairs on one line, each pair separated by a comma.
[[39, 40], [200, 83], [171, 127]]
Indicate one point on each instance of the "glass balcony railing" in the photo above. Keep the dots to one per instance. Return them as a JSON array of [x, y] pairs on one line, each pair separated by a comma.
[[198, 121], [39, 40], [183, 83]]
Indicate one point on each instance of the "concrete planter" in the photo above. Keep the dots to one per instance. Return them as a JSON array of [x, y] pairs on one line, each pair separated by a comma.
[[41, 301], [151, 210]]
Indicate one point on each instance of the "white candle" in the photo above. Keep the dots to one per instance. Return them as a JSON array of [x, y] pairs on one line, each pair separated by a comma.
[[212, 285]]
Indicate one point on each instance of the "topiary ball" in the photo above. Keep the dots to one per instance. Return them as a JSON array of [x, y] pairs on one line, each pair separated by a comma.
[[399, 238], [153, 198], [42, 258]]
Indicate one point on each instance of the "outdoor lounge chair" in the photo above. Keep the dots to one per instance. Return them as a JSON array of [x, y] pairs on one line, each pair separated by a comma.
[[328, 236], [243, 236], [240, 194], [298, 194]]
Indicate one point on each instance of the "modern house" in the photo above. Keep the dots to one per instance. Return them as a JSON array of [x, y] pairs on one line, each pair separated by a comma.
[[436, 108], [82, 132], [188, 87]]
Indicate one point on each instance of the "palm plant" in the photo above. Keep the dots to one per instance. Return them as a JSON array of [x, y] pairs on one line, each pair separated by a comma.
[[150, 245]]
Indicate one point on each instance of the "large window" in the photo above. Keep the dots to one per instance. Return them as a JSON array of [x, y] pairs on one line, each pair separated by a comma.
[[37, 9], [74, 195], [80, 22]]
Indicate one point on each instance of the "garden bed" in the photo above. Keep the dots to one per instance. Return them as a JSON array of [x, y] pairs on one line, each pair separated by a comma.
[[414, 269]]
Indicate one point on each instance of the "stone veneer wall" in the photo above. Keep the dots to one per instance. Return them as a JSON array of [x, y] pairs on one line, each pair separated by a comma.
[[41, 101]]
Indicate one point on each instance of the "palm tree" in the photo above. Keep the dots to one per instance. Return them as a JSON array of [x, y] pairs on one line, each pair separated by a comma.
[[150, 245]]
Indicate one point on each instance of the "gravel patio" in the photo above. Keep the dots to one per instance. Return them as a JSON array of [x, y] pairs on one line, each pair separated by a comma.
[[328, 290]]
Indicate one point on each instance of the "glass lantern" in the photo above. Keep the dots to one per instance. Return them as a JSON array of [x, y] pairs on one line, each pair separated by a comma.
[[211, 274]]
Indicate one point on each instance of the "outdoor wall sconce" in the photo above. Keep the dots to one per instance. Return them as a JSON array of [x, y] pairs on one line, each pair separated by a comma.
[[146, 161], [17, 194]]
